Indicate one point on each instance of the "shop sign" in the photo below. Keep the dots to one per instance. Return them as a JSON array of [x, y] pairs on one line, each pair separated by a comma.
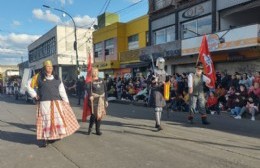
[[241, 37], [128, 56], [195, 11]]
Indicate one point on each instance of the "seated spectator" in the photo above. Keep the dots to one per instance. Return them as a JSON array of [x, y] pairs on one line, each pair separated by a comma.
[[251, 107], [256, 77], [131, 90], [220, 94], [212, 104], [185, 102], [244, 80], [230, 97], [176, 102], [255, 90], [112, 92], [240, 100], [126, 95], [233, 81]]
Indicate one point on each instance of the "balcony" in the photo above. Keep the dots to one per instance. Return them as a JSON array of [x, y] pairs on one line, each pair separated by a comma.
[[166, 50], [157, 5], [237, 38]]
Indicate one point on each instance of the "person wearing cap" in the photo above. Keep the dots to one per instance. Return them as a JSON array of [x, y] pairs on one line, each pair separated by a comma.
[[196, 91], [55, 118]]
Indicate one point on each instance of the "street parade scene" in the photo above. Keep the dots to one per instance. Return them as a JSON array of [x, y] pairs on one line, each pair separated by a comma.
[[130, 84]]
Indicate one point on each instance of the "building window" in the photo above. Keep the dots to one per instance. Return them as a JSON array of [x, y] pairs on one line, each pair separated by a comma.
[[165, 35], [196, 27], [133, 42], [98, 49], [109, 47], [46, 49]]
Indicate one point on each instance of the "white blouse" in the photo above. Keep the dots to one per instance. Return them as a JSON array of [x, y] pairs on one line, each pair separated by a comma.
[[62, 90]]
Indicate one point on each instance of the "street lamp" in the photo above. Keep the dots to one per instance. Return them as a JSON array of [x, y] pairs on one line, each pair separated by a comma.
[[75, 32]]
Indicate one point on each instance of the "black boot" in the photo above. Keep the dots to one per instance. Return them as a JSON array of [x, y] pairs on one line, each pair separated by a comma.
[[204, 120], [190, 119], [156, 125], [91, 122], [98, 128], [89, 131]]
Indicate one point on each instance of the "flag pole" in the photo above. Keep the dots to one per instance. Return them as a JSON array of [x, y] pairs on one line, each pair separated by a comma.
[[92, 101]]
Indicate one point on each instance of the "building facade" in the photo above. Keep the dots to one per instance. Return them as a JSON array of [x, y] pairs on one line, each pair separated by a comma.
[[58, 46], [117, 47], [232, 27]]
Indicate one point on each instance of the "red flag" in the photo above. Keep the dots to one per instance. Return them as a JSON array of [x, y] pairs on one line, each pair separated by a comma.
[[205, 59], [86, 108]]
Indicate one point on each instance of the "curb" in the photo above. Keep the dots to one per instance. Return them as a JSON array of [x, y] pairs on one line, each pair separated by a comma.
[[128, 102]]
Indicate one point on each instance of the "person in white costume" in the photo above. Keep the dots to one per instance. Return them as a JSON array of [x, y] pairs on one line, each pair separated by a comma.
[[55, 118]]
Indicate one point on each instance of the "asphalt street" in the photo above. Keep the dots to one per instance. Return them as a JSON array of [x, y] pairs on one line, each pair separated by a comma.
[[129, 140]]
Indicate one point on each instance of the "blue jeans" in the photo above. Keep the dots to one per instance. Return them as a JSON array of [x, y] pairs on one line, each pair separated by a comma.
[[235, 111]]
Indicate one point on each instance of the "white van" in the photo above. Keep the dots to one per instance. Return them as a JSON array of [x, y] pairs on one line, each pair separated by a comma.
[[22, 91]]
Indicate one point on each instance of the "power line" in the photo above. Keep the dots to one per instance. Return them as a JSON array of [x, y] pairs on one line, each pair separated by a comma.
[[107, 5], [119, 11]]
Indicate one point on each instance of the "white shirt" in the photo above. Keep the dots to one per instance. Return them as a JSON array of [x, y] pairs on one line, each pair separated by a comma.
[[190, 80], [62, 90]]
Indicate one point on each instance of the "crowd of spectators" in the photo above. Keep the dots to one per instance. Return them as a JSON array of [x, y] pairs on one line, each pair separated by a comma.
[[238, 93]]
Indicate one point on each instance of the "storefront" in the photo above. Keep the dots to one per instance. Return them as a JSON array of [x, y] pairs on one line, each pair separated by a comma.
[[130, 60], [108, 67], [238, 51]]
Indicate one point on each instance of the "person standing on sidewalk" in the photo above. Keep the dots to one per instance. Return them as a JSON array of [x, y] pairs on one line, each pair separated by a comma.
[[80, 86], [196, 91], [55, 118], [97, 92]]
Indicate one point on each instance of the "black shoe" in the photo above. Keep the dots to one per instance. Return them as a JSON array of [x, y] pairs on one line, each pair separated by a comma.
[[89, 131], [160, 128], [43, 144], [156, 125], [204, 121], [99, 133], [52, 141]]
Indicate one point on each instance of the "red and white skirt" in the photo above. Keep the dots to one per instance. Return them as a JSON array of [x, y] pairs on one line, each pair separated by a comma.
[[55, 120]]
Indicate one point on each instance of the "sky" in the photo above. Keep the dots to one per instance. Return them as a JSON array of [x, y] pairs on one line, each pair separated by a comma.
[[24, 21]]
